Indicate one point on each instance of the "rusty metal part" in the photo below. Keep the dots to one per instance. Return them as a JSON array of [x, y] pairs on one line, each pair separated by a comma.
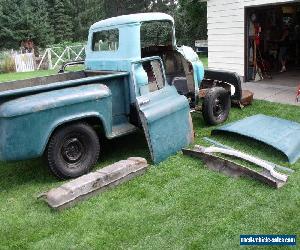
[[202, 92], [233, 169], [245, 157], [93, 183], [278, 167], [247, 99]]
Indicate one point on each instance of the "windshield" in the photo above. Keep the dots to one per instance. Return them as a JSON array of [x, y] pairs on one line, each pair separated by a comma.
[[156, 33]]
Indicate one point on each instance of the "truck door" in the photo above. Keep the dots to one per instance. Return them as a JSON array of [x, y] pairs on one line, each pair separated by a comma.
[[164, 114]]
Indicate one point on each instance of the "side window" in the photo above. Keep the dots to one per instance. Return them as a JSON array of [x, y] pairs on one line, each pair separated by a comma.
[[106, 40]]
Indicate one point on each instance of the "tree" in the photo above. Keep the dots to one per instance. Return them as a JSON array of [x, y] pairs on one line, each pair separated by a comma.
[[62, 21], [85, 13], [191, 21], [20, 20], [116, 7], [71, 19], [42, 31], [166, 6]]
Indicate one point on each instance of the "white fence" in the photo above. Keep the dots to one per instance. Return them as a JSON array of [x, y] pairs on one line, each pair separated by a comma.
[[51, 58], [24, 62], [58, 55]]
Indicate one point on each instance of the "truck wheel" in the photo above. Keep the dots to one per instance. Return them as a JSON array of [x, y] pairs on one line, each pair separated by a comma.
[[73, 150], [216, 106]]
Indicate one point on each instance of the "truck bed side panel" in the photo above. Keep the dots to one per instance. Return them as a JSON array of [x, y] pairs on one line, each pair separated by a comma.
[[26, 123]]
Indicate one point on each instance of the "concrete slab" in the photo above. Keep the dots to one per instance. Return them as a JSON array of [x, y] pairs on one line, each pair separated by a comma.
[[274, 91], [88, 185], [281, 88], [291, 78], [287, 96]]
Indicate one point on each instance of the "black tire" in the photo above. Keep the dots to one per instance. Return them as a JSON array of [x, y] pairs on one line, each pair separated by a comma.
[[73, 150], [216, 106]]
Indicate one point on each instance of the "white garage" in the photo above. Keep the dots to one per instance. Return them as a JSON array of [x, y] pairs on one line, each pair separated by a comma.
[[229, 28]]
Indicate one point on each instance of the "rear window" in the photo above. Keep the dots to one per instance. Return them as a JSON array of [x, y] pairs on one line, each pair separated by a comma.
[[156, 33], [106, 40]]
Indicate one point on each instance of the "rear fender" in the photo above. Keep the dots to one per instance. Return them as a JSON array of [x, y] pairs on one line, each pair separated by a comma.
[[85, 117], [27, 123]]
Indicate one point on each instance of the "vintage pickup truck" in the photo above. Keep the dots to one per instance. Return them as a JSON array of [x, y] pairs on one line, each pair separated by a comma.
[[134, 77]]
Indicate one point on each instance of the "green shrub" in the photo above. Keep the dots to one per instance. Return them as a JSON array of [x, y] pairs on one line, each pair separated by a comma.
[[8, 64]]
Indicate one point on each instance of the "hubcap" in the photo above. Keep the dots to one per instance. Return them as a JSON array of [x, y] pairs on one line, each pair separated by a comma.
[[218, 107], [72, 150]]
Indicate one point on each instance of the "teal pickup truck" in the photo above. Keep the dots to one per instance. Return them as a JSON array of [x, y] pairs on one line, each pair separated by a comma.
[[135, 77]]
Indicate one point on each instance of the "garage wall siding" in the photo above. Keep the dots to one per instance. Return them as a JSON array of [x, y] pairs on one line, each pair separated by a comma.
[[225, 24]]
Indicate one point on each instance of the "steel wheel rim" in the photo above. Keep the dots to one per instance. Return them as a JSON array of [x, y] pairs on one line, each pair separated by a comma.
[[72, 150], [218, 107]]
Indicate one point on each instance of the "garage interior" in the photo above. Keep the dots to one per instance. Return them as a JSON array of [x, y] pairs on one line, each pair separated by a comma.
[[272, 55]]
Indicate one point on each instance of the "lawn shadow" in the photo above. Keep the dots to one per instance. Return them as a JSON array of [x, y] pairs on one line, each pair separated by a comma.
[[251, 146], [133, 145], [35, 171]]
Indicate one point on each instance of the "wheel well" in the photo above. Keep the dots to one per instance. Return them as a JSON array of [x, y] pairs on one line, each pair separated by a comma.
[[94, 121], [207, 84]]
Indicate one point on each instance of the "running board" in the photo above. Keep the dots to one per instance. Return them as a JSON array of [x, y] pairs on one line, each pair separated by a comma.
[[233, 169], [122, 129], [93, 183]]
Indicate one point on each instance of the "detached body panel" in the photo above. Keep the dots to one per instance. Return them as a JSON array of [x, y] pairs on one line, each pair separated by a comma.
[[281, 134], [166, 121]]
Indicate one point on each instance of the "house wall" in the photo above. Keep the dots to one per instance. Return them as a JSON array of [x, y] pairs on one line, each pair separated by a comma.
[[225, 24]]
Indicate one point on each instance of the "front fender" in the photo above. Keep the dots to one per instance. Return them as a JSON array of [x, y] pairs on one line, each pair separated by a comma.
[[198, 69]]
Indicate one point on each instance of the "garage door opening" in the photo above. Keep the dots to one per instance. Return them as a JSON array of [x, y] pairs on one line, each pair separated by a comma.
[[273, 44]]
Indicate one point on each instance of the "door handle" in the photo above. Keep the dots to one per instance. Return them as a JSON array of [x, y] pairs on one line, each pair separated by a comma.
[[144, 101]]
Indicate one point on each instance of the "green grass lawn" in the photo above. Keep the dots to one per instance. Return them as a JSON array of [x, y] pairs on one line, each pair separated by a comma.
[[204, 60], [178, 204], [26, 75]]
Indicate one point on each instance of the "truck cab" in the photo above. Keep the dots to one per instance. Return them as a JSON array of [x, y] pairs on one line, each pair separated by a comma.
[[127, 43], [120, 41]]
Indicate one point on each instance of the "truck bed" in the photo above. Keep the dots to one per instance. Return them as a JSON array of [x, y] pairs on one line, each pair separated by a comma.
[[40, 84], [41, 80]]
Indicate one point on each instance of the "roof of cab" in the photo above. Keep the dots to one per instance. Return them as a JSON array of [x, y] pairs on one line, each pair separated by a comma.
[[133, 18]]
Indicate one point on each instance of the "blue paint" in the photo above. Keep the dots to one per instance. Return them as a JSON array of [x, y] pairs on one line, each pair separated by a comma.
[[281, 134], [59, 85], [25, 131], [129, 49], [166, 121], [131, 19], [30, 114]]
